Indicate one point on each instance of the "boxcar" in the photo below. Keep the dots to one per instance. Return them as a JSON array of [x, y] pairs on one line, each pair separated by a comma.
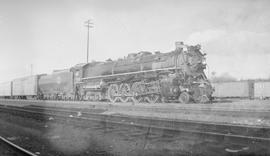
[[239, 89], [6, 89], [56, 86], [26, 87], [262, 89]]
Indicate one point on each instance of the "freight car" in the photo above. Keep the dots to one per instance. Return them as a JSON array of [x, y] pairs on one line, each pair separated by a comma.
[[25, 88], [146, 77], [262, 89], [237, 89], [5, 90]]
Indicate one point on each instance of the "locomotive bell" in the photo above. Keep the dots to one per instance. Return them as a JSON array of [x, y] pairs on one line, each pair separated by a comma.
[[179, 45]]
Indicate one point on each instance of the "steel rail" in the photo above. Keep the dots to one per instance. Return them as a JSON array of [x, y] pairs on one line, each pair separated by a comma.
[[16, 147]]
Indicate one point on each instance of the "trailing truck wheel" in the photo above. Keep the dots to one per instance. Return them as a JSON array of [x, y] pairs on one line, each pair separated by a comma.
[[113, 92], [204, 99], [184, 98]]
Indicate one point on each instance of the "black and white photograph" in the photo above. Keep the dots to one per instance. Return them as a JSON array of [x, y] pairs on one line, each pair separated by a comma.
[[134, 77]]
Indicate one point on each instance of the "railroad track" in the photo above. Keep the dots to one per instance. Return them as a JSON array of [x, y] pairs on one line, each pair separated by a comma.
[[240, 134], [263, 112], [13, 149]]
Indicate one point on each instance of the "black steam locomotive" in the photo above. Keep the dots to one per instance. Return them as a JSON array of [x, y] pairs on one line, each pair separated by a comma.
[[176, 76]]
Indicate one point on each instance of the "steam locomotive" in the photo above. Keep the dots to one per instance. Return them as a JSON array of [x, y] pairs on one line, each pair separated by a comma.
[[176, 76]]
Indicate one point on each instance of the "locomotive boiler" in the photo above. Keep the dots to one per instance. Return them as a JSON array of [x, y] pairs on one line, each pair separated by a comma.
[[145, 77]]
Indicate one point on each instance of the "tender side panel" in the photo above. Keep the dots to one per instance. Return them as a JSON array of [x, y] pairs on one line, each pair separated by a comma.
[[231, 89], [26, 86], [56, 83], [261, 89], [5, 89]]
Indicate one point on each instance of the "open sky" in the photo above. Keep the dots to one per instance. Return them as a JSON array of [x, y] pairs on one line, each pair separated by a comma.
[[50, 34]]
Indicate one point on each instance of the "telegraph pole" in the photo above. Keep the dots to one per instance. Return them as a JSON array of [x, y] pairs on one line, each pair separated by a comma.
[[89, 25]]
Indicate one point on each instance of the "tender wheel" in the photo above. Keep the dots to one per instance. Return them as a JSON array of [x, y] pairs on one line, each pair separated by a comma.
[[153, 98], [113, 92], [184, 97], [125, 92]]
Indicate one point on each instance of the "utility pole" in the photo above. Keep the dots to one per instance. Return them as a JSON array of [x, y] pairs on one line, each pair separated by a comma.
[[89, 25]]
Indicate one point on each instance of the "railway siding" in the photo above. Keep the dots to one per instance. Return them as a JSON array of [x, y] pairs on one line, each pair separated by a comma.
[[250, 114], [226, 132], [117, 139]]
